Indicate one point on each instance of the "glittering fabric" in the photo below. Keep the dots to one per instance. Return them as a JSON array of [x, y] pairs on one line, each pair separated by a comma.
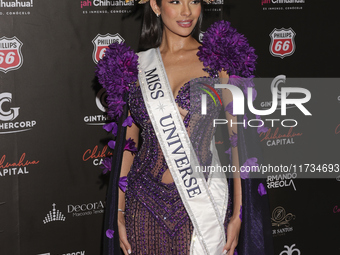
[[156, 220]]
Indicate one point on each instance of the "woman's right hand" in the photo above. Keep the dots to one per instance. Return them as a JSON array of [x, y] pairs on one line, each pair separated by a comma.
[[124, 244]]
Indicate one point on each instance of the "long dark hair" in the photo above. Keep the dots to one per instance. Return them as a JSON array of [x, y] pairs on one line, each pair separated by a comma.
[[152, 28]]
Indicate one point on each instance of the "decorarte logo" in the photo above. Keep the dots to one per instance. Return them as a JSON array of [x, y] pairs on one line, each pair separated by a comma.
[[86, 209], [282, 42], [102, 42], [281, 219], [8, 113], [16, 168], [54, 215], [10, 54]]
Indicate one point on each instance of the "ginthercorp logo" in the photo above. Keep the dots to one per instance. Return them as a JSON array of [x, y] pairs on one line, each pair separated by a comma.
[[100, 101], [10, 54], [282, 42], [86, 209], [12, 113], [102, 42], [274, 136], [290, 250], [238, 106], [54, 215], [281, 221], [8, 113], [16, 3]]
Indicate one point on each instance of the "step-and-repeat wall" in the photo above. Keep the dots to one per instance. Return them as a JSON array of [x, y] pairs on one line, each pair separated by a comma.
[[52, 190]]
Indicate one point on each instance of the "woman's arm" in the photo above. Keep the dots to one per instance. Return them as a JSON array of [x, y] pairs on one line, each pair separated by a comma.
[[234, 225], [133, 133]]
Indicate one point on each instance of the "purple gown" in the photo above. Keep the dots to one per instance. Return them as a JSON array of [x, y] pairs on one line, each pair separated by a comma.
[[156, 219]]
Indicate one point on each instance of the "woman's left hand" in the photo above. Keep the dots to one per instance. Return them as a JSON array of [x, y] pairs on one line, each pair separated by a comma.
[[233, 232]]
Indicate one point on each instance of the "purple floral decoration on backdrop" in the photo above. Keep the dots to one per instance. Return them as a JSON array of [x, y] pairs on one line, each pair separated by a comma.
[[109, 233], [248, 164], [106, 165], [261, 189]]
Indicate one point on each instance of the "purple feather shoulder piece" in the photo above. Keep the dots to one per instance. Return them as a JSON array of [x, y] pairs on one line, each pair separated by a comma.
[[223, 48], [115, 72]]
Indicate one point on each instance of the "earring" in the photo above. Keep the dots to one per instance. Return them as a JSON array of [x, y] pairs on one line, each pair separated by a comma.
[[157, 15]]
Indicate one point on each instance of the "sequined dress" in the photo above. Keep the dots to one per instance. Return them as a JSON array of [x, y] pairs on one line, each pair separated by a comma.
[[156, 220]]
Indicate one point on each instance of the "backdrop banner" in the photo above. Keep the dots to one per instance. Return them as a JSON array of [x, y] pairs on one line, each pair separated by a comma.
[[52, 109]]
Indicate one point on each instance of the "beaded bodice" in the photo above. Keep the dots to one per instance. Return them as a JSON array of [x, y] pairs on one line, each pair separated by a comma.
[[145, 177]]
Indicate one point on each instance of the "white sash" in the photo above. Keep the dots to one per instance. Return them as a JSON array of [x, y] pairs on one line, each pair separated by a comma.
[[205, 202]]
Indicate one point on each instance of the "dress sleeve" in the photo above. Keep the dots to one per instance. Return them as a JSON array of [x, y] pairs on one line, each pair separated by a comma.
[[116, 71]]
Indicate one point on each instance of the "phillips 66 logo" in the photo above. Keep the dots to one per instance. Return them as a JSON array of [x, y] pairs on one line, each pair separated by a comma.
[[10, 54], [282, 42], [102, 42]]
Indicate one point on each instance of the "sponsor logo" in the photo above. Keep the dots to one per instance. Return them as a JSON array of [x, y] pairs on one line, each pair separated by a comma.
[[10, 54], [8, 113], [100, 3], [282, 5], [282, 42], [200, 37], [54, 215], [275, 87], [338, 178], [290, 250], [281, 220], [16, 168], [281, 181], [100, 101], [273, 137], [86, 209], [101, 43], [97, 156], [336, 209], [1, 203], [66, 253], [16, 3]]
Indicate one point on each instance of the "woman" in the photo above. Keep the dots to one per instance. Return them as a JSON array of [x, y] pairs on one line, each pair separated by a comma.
[[157, 214]]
